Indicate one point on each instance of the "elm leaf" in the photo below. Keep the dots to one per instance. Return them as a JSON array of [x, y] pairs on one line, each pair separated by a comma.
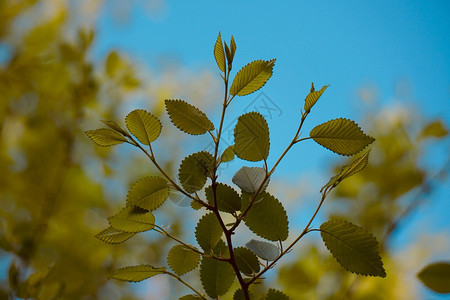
[[148, 193], [194, 170], [182, 259], [436, 277], [208, 232], [187, 117], [143, 125], [132, 219], [216, 276], [112, 235], [136, 273], [252, 77], [250, 178], [219, 54], [251, 137], [264, 250], [105, 137]]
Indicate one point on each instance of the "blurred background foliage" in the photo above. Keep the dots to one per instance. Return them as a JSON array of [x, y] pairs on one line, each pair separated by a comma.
[[56, 188]]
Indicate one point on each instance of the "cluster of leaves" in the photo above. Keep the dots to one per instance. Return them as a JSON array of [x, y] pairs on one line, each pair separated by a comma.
[[220, 262]]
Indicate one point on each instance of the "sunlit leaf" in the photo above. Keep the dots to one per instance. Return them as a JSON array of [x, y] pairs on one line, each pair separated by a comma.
[[187, 117], [113, 125], [182, 259], [219, 53], [228, 154], [312, 98], [148, 193], [273, 294], [105, 137], [143, 125], [246, 260], [436, 277], [353, 247], [112, 235], [208, 232], [232, 48], [228, 200], [251, 137], [341, 136], [132, 219], [194, 170], [266, 251], [252, 77], [136, 273], [249, 179], [216, 276]]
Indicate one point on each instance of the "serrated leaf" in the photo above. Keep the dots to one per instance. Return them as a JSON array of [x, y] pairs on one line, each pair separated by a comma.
[[132, 219], [143, 125], [341, 136], [112, 235], [136, 273], [194, 170], [105, 137], [353, 247], [436, 277], [190, 297], [250, 178], [246, 261], [251, 137], [208, 232], [228, 200], [252, 77], [219, 54], [216, 276], [187, 117], [356, 166], [182, 259], [267, 217], [228, 154], [148, 193], [221, 249], [196, 205], [312, 98], [264, 250], [239, 295], [232, 48], [113, 125], [273, 294]]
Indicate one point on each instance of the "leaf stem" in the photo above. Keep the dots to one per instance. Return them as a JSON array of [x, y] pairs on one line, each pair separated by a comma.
[[185, 283]]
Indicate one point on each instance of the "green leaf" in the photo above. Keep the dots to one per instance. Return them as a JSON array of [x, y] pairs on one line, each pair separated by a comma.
[[221, 249], [208, 232], [112, 235], [143, 125], [434, 129], [341, 136], [136, 273], [252, 77], [194, 170], [190, 297], [216, 276], [353, 247], [132, 219], [219, 54], [267, 217], [436, 277], [356, 166], [105, 137], [113, 125], [232, 48], [264, 250], [187, 117], [273, 294], [228, 154], [239, 295], [182, 259], [312, 98], [250, 178], [251, 137], [246, 261], [148, 193], [228, 200], [113, 63]]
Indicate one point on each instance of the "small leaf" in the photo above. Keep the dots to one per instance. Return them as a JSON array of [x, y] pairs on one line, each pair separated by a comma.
[[246, 261], [105, 137], [434, 129], [273, 294], [239, 295], [312, 98], [251, 137], [252, 77], [267, 217], [113, 125], [232, 48], [341, 136], [113, 63], [196, 205], [228, 154], [187, 117], [113, 236], [228, 200], [219, 54], [136, 273], [250, 178], [208, 232], [221, 249], [182, 259], [216, 276], [148, 193], [353, 247], [436, 277], [264, 250], [194, 170], [143, 125], [132, 219], [190, 297]]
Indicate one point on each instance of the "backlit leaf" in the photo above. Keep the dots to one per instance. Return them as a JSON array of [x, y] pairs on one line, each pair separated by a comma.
[[194, 170], [435, 129], [148, 193], [113, 125], [266, 251], [136, 273], [105, 137], [353, 247], [219, 54], [143, 125], [227, 155], [252, 77], [250, 178], [246, 260], [239, 295], [341, 136], [112, 235], [251, 137], [216, 276], [273, 294], [312, 98], [228, 200], [208, 232], [132, 219], [187, 117], [436, 277], [221, 249], [182, 259]]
